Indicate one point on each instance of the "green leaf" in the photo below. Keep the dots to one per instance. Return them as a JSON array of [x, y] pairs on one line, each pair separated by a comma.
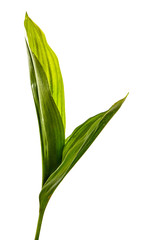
[[50, 122], [49, 62], [44, 147], [76, 145]]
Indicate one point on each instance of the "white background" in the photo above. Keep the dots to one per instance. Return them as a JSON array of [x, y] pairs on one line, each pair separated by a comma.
[[100, 46]]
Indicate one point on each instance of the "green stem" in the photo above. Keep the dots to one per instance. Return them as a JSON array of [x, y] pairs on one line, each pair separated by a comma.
[[40, 218]]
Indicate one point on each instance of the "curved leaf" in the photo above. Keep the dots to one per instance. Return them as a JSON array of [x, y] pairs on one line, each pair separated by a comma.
[[44, 147], [78, 142], [49, 62], [50, 122]]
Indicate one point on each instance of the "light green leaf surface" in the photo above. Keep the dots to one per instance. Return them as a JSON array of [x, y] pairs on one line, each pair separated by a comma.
[[76, 145], [58, 155], [49, 62], [50, 122]]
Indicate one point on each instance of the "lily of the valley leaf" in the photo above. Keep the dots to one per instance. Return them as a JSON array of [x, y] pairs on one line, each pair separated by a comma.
[[59, 155]]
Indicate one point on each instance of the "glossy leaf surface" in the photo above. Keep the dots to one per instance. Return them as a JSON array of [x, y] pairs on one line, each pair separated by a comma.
[[76, 145], [50, 122], [58, 155], [49, 62]]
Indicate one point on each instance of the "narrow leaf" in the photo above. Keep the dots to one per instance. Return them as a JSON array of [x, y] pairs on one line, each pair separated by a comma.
[[50, 122], [44, 147], [78, 142], [49, 62]]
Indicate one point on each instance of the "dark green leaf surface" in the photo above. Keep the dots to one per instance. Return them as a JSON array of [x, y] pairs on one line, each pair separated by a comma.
[[58, 155], [78, 142], [44, 142], [50, 122], [49, 62]]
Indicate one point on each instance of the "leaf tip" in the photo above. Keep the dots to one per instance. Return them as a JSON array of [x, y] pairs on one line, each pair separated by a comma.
[[26, 19], [123, 99], [26, 16], [126, 95]]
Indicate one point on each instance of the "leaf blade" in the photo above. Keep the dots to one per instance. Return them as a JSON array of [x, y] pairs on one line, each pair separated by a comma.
[[75, 147], [50, 122], [49, 61], [36, 101]]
